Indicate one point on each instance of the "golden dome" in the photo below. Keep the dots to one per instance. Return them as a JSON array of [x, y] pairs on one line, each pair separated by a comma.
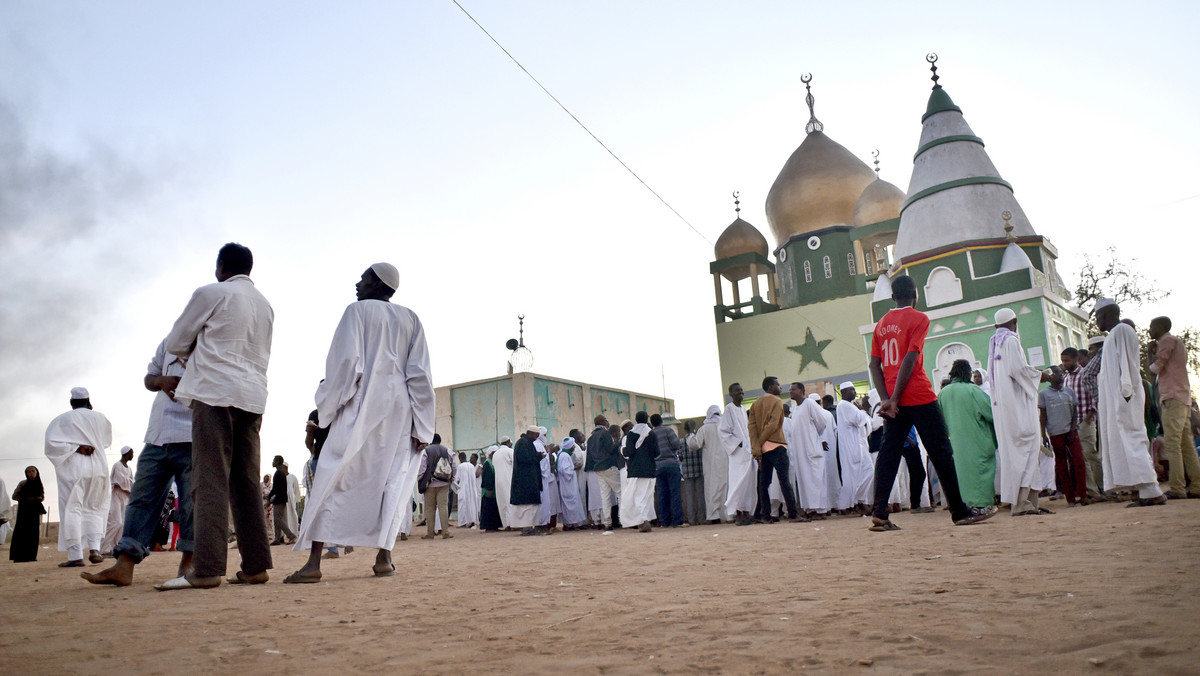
[[819, 186], [881, 201], [739, 238]]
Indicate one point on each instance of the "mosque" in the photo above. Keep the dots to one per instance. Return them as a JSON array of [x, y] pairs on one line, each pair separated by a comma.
[[842, 234]]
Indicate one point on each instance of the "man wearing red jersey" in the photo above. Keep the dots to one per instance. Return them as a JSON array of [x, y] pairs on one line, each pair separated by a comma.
[[898, 368]]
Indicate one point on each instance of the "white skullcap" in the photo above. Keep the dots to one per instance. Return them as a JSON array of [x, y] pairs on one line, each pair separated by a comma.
[[388, 274], [79, 393], [1095, 340], [126, 449], [845, 385], [504, 439], [1104, 302], [815, 396], [535, 429], [1004, 316]]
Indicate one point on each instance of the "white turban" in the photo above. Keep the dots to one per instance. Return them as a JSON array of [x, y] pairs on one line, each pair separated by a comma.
[[814, 396], [1004, 316], [79, 393], [1104, 302], [1095, 340], [568, 443], [712, 415], [388, 274]]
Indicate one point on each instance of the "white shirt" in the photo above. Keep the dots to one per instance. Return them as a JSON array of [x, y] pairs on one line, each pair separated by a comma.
[[225, 332], [170, 421]]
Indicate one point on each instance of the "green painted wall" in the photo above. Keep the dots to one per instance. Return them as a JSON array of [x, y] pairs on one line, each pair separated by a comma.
[[483, 413], [614, 405], [559, 406], [796, 289]]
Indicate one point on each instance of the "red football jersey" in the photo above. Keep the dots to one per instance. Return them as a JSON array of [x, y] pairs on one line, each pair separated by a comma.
[[902, 330]]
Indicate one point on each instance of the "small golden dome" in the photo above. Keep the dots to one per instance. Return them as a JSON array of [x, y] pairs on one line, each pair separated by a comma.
[[881, 201], [739, 238], [818, 187]]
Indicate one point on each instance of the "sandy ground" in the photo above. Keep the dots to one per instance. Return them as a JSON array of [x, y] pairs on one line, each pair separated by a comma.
[[1099, 589]]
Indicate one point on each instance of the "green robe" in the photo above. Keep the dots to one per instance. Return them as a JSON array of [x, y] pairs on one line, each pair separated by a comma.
[[968, 413]]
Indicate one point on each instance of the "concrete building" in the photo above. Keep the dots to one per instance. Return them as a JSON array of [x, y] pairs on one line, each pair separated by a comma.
[[475, 415]]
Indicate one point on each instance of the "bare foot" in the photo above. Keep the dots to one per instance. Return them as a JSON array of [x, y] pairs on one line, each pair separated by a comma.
[[120, 574]]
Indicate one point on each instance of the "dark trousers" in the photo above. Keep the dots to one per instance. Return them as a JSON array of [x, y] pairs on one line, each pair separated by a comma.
[[916, 474], [668, 495], [776, 461], [693, 500], [1068, 465], [156, 466], [225, 464], [282, 532], [927, 418]]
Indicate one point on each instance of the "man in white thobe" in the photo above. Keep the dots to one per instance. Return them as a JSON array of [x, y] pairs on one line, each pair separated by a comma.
[[292, 513], [465, 488], [378, 398], [121, 482], [807, 424], [853, 428], [1014, 410], [1124, 447], [715, 463], [733, 429], [502, 461], [75, 443], [833, 480]]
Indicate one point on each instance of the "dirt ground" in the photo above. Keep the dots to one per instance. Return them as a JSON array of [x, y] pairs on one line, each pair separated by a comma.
[[1099, 589]]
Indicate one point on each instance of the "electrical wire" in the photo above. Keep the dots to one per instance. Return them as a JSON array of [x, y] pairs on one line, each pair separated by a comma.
[[581, 124]]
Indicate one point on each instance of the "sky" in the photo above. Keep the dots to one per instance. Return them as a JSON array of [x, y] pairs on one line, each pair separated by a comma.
[[137, 138]]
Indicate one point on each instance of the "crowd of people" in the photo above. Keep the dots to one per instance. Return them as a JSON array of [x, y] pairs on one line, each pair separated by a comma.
[[989, 438]]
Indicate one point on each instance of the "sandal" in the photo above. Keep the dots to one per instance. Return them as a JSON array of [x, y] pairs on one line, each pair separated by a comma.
[[297, 578], [881, 525], [242, 578], [1043, 510], [386, 573]]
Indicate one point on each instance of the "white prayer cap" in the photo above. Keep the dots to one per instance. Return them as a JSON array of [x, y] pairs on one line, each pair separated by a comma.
[[79, 393], [1104, 302], [535, 429], [504, 439], [1004, 316], [388, 274], [1095, 340], [126, 449], [814, 396], [845, 385]]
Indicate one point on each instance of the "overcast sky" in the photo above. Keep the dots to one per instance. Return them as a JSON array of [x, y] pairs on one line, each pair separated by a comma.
[[136, 138]]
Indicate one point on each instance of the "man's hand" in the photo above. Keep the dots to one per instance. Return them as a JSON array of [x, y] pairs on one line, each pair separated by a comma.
[[1045, 440], [86, 450], [418, 445], [889, 409], [825, 445], [167, 385]]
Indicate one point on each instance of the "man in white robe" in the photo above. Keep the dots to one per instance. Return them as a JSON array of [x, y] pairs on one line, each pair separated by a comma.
[[570, 501], [853, 428], [378, 399], [1124, 446], [715, 463], [292, 514], [75, 443], [807, 423], [733, 430], [637, 496], [468, 498], [7, 514], [121, 482], [502, 461], [833, 480], [1014, 410]]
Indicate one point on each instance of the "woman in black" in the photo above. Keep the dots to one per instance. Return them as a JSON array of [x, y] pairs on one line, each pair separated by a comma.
[[29, 496]]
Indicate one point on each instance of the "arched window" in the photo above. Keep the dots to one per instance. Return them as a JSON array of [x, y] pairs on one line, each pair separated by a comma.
[[828, 268], [850, 263], [807, 272]]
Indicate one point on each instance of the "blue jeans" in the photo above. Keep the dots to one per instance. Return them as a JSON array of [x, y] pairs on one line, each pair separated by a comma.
[[668, 495], [156, 466]]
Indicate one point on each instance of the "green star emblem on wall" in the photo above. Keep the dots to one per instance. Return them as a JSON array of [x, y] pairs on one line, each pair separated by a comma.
[[810, 351]]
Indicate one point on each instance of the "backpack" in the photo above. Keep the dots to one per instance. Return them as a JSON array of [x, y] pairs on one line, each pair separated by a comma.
[[443, 471]]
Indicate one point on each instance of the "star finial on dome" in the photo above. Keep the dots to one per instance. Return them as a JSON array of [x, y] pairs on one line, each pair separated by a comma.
[[875, 154], [932, 57], [813, 123], [737, 208]]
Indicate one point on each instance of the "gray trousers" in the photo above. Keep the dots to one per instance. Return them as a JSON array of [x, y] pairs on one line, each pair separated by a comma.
[[225, 464], [282, 532], [694, 511]]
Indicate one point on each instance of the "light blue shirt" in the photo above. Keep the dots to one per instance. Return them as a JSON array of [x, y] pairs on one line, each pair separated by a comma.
[[170, 421]]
